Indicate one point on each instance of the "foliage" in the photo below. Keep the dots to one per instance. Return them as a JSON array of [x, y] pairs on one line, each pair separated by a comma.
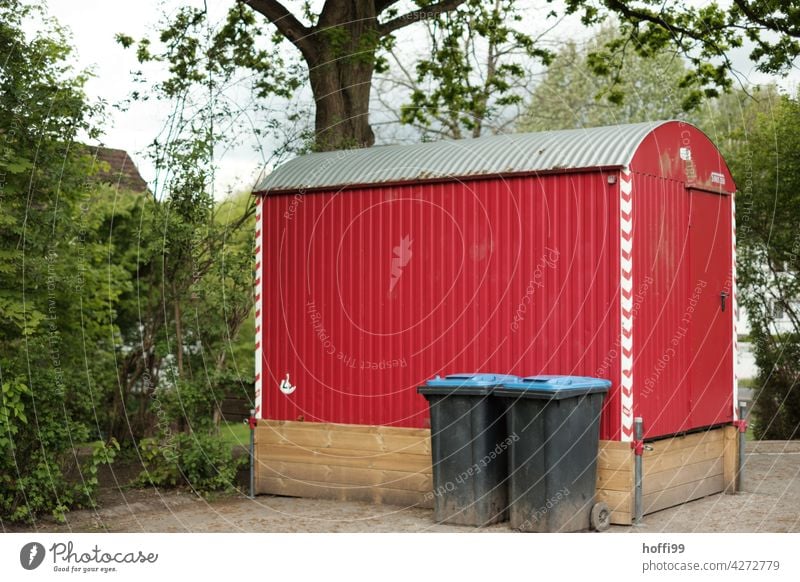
[[196, 268], [212, 67], [572, 94], [341, 46], [119, 311], [43, 110], [776, 409], [767, 171], [470, 76], [730, 118], [54, 303], [192, 402], [34, 469], [704, 33], [198, 265], [201, 461], [187, 330]]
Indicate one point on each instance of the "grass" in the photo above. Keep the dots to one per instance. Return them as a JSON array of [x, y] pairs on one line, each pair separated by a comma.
[[235, 434]]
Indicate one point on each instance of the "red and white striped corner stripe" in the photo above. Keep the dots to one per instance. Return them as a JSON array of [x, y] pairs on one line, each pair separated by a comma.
[[734, 307], [626, 303], [259, 255]]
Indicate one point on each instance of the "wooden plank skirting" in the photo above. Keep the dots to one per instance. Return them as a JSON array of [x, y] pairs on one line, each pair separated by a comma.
[[676, 470], [346, 462], [393, 465]]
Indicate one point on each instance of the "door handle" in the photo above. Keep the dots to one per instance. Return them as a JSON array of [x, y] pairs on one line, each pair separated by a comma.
[[722, 297]]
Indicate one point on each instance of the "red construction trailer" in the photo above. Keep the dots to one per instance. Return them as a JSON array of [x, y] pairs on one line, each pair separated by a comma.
[[602, 252]]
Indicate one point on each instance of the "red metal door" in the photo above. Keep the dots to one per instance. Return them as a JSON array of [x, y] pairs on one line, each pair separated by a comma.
[[709, 312]]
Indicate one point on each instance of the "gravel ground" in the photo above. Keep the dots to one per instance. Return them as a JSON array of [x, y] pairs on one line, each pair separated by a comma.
[[770, 503]]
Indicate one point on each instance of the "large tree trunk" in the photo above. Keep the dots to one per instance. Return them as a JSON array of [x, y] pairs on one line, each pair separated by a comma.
[[341, 94], [340, 53], [340, 71]]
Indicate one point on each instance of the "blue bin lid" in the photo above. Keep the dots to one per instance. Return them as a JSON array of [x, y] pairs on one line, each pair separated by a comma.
[[555, 387], [473, 380], [469, 384], [557, 383]]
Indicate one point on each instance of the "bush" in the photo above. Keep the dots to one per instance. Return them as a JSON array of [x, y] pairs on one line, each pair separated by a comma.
[[190, 404], [768, 261], [33, 470], [202, 461], [776, 408]]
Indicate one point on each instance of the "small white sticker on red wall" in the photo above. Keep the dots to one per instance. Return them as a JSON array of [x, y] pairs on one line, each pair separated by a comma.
[[686, 154], [286, 386], [717, 178]]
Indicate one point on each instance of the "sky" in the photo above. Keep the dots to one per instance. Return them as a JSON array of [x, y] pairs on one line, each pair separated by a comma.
[[95, 22]]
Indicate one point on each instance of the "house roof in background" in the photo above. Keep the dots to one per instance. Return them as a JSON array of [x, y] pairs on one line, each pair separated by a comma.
[[122, 172]]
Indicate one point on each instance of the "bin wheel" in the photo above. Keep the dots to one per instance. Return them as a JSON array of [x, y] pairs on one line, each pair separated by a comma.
[[601, 516]]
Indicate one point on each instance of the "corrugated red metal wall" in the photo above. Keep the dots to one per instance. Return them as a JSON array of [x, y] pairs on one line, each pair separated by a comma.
[[683, 362], [711, 323], [370, 292], [661, 274]]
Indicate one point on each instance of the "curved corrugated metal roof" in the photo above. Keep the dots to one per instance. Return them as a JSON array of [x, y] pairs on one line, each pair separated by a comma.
[[494, 155]]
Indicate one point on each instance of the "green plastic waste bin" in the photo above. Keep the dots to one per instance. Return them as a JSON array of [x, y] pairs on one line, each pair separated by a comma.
[[469, 447], [554, 427]]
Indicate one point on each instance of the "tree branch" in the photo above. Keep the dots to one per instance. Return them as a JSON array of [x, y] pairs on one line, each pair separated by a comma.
[[381, 5], [783, 297], [425, 13], [645, 15], [676, 31], [286, 23], [767, 22]]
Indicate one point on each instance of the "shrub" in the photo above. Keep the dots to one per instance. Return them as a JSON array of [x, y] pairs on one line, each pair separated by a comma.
[[200, 460], [776, 407], [33, 471]]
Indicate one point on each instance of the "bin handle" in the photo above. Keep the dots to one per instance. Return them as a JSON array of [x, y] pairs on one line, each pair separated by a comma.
[[546, 380]]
